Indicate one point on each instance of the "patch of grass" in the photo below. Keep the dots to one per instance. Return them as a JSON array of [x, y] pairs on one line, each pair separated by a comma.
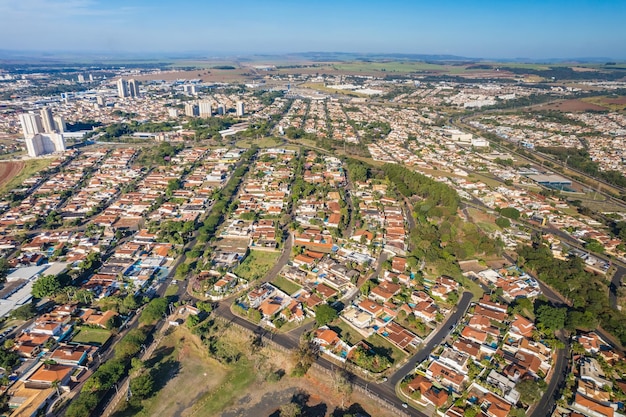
[[31, 167], [256, 265], [346, 333], [286, 285], [261, 143], [491, 182], [241, 376], [171, 290], [287, 327], [378, 343], [92, 336]]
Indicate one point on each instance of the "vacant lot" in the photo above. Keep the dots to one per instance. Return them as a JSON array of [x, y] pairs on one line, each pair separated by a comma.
[[256, 265], [573, 106], [610, 103], [261, 143], [286, 285], [184, 374], [92, 336]]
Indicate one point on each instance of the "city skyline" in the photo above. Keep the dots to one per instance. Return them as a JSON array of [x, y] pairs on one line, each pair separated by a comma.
[[485, 29]]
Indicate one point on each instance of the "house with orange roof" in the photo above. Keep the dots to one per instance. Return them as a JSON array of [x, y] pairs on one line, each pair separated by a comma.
[[521, 326], [270, 307], [591, 408], [398, 264], [495, 406], [99, 319], [48, 374], [475, 335], [446, 376], [371, 308]]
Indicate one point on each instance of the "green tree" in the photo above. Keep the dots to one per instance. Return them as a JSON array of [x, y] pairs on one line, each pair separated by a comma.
[[142, 386], [153, 312], [46, 286], [25, 312], [324, 314], [503, 222], [510, 212], [290, 410], [550, 318], [530, 391]]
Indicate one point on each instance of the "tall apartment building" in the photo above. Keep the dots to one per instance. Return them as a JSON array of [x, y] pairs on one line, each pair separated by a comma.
[[31, 124], [205, 108], [42, 138], [133, 88], [240, 108], [191, 110], [59, 124], [190, 89], [45, 143], [122, 88], [46, 120], [221, 109]]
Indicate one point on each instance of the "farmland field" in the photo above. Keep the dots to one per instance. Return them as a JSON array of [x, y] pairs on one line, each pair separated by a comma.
[[9, 170]]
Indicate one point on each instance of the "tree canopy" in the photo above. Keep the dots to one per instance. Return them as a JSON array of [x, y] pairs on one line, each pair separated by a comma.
[[324, 314]]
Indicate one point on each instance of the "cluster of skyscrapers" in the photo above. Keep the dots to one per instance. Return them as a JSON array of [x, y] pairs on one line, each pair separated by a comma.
[[128, 88], [205, 109], [43, 132]]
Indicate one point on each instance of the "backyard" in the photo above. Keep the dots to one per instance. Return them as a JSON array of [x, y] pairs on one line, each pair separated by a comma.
[[92, 336]]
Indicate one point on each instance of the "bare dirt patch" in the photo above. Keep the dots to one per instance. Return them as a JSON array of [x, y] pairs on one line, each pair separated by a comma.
[[9, 170], [314, 393]]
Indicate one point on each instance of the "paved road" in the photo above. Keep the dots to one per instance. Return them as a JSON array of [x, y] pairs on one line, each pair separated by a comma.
[[547, 403], [434, 340]]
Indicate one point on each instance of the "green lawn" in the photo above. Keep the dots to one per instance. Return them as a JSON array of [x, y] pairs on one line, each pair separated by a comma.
[[378, 342], [346, 333], [256, 265], [261, 143], [286, 285], [92, 336], [171, 290]]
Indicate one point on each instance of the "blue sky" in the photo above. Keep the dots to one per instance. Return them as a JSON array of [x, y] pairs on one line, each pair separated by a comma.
[[473, 28]]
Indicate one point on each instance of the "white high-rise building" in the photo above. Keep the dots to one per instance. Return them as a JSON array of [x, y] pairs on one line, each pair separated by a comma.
[[190, 89], [101, 101], [205, 109], [81, 78], [59, 124], [240, 109], [173, 112], [90, 77], [191, 110], [45, 143], [31, 124], [47, 120], [122, 88], [133, 88]]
